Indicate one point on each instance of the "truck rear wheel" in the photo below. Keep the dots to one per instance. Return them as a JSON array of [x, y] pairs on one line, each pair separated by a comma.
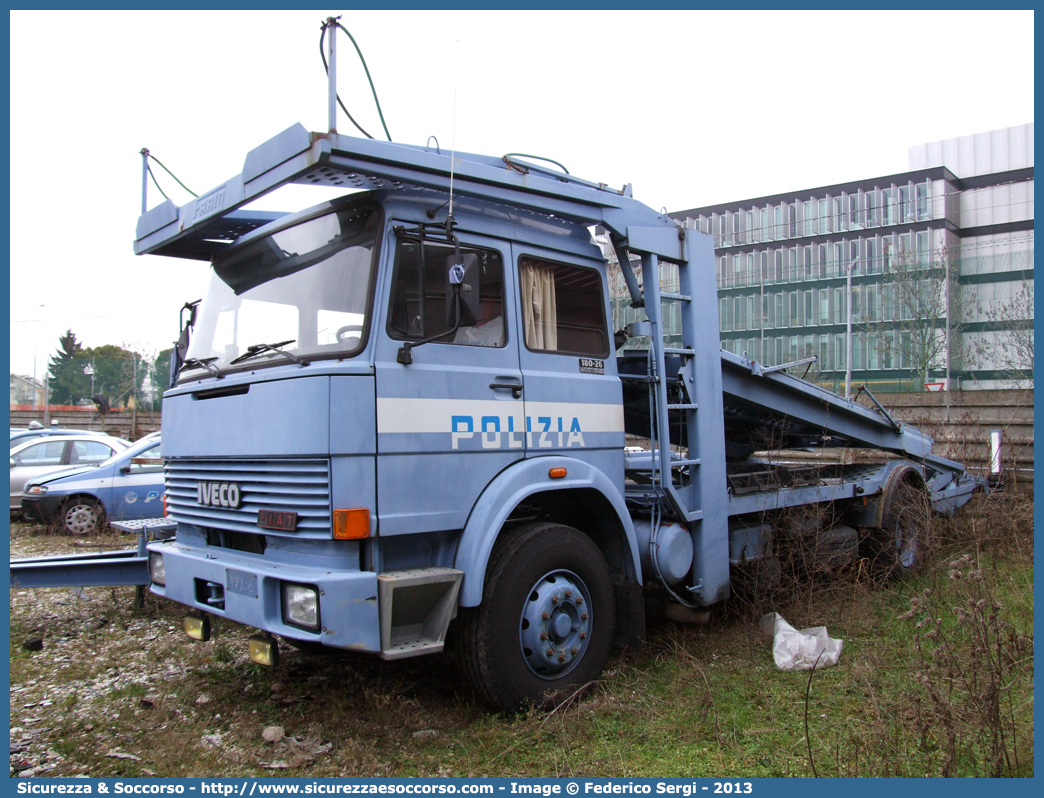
[[545, 625], [898, 547]]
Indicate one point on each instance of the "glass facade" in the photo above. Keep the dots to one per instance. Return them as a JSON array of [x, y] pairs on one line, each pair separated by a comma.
[[782, 274]]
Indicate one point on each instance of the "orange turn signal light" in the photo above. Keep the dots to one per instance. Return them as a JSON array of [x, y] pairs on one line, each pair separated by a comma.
[[556, 473], [351, 524]]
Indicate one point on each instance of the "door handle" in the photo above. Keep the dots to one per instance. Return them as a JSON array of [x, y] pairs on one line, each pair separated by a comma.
[[516, 390]]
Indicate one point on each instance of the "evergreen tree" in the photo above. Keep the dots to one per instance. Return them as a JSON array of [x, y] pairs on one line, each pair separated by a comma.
[[161, 374], [114, 376], [68, 383]]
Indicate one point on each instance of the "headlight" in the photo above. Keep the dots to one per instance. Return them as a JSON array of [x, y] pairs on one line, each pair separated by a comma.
[[156, 569], [301, 606], [36, 489]]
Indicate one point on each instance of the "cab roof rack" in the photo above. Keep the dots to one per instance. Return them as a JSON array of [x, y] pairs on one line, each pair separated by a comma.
[[204, 226]]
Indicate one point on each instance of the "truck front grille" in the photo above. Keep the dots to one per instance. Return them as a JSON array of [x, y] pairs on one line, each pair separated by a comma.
[[298, 486]]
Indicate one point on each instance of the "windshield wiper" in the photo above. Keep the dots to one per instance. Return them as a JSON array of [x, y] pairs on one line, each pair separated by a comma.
[[257, 349], [203, 363]]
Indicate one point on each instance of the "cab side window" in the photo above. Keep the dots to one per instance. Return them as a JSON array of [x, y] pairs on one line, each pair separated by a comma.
[[422, 303], [563, 309]]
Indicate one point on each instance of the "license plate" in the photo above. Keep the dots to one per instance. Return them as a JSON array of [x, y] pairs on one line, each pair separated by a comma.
[[279, 520], [241, 582]]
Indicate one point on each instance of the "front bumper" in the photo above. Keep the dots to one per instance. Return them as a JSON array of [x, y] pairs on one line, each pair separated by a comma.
[[347, 599], [41, 509]]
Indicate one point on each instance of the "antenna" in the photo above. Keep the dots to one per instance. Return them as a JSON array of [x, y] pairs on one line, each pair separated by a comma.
[[453, 141]]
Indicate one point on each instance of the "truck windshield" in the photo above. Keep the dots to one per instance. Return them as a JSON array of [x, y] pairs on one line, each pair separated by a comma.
[[309, 284]]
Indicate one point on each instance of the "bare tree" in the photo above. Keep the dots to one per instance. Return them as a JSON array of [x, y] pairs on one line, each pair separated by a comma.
[[1006, 345], [921, 314]]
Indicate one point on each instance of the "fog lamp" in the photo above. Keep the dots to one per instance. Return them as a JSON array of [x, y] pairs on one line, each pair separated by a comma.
[[263, 651], [197, 628], [156, 569], [301, 606]]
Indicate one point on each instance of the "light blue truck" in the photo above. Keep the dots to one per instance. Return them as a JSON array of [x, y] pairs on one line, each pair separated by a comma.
[[401, 414]]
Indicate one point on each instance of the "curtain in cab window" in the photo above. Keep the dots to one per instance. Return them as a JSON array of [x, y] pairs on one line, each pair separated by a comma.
[[539, 311], [563, 308]]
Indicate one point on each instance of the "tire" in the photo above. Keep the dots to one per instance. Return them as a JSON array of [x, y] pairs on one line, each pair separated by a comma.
[[899, 546], [81, 515], [547, 589]]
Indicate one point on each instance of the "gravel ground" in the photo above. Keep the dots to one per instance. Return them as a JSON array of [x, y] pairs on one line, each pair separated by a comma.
[[96, 647]]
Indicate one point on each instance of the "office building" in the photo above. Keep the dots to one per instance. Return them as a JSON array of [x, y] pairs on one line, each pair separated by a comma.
[[940, 260]]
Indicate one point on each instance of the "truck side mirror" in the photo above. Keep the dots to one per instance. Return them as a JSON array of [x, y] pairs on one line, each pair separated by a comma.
[[469, 290]]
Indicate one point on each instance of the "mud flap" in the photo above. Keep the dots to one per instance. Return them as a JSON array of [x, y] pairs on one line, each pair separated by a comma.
[[630, 616]]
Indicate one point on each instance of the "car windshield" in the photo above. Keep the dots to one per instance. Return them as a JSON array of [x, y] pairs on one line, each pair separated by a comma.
[[308, 284]]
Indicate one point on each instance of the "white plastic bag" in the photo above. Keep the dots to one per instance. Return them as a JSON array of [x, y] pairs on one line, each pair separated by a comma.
[[799, 651]]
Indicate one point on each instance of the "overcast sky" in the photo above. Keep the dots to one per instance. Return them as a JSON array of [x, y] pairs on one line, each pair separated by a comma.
[[692, 108]]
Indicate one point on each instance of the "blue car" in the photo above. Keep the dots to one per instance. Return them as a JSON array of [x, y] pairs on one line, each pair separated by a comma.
[[127, 486]]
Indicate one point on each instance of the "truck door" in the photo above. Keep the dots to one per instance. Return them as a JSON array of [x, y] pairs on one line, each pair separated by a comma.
[[573, 398], [451, 420]]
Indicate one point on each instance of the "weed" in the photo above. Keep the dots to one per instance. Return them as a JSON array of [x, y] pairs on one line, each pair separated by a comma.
[[223, 654], [968, 656], [132, 690]]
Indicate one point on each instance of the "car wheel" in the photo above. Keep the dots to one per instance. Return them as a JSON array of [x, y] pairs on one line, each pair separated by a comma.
[[545, 625], [81, 515]]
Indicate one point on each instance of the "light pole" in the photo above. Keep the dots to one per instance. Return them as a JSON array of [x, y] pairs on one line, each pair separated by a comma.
[[47, 385], [36, 334], [946, 278], [134, 385], [848, 328], [89, 371]]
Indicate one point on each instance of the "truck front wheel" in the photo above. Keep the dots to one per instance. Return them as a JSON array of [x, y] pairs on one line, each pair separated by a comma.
[[545, 625]]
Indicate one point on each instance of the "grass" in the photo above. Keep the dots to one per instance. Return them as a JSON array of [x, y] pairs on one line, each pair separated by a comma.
[[697, 701]]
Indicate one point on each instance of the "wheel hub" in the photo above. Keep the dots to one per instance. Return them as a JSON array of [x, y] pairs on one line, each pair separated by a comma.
[[555, 627], [80, 519]]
